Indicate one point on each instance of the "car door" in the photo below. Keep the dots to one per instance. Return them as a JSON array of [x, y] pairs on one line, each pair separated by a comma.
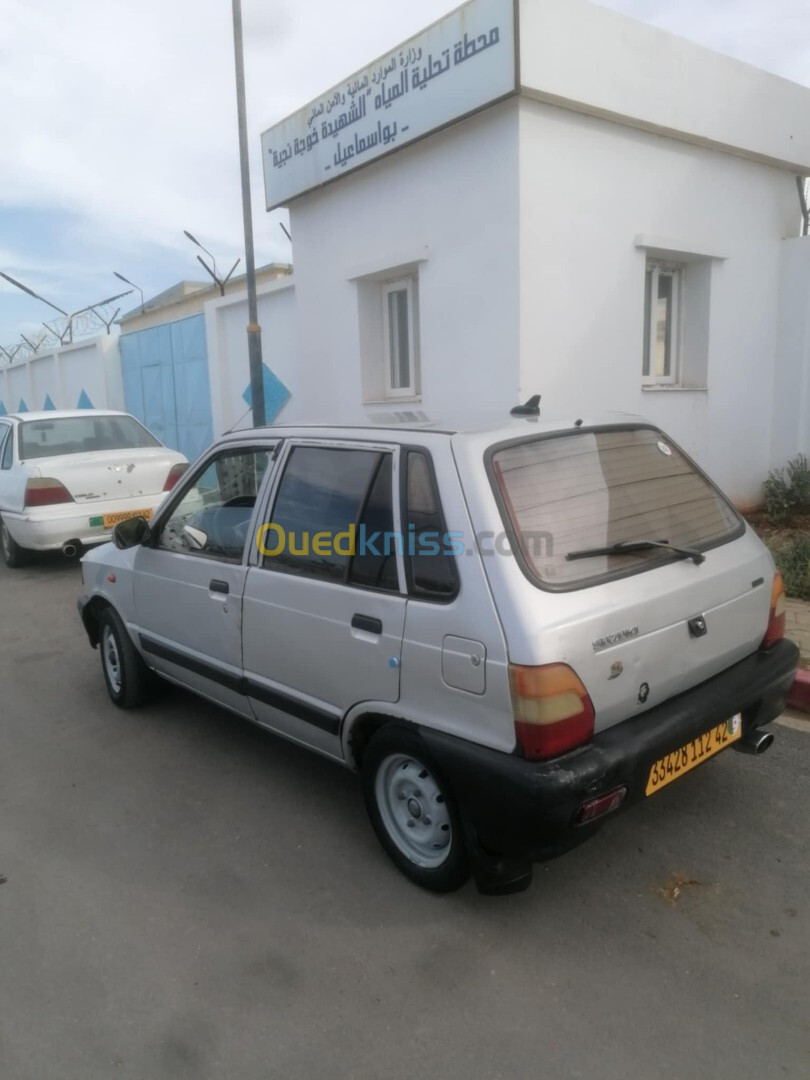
[[324, 606], [189, 583]]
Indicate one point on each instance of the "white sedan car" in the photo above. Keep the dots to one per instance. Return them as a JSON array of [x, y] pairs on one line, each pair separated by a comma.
[[67, 478]]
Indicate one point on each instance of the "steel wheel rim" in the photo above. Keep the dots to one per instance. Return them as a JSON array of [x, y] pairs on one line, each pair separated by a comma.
[[414, 810], [112, 659]]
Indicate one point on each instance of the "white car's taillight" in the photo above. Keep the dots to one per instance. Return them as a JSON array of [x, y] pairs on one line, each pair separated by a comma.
[[45, 491], [175, 473]]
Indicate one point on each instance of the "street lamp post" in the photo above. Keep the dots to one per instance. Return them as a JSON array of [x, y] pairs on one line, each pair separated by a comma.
[[254, 331], [134, 286], [218, 281]]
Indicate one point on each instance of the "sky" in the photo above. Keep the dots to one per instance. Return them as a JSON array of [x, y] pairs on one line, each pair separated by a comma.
[[118, 129]]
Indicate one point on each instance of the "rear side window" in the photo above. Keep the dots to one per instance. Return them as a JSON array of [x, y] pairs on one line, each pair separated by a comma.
[[81, 435], [431, 565], [592, 489], [330, 502], [7, 451]]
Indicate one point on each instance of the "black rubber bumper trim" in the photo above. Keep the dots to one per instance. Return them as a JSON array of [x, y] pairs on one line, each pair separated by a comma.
[[200, 667], [319, 718], [520, 807], [310, 714]]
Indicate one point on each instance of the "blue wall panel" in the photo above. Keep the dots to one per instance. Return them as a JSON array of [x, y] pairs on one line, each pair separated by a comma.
[[165, 370]]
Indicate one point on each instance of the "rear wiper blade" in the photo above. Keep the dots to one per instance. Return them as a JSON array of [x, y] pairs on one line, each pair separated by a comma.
[[629, 547]]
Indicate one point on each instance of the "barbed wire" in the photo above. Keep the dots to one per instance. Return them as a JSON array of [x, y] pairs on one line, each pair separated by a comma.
[[62, 331]]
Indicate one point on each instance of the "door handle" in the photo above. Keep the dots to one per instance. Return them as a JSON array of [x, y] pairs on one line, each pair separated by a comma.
[[367, 623], [220, 587]]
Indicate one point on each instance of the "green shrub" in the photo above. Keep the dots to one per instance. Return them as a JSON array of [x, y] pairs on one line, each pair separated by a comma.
[[787, 491], [792, 557]]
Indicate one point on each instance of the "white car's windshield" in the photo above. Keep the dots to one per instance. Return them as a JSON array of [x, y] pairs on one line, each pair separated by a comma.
[[81, 435]]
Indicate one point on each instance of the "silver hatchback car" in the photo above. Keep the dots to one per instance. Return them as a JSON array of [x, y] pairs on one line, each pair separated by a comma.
[[511, 631]]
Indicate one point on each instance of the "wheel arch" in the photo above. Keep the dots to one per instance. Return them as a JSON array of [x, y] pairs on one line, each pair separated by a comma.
[[91, 617], [361, 725]]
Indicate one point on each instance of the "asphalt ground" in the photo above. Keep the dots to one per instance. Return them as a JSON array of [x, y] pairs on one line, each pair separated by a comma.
[[184, 895]]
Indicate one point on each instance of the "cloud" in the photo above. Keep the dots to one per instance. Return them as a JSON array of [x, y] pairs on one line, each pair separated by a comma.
[[774, 36], [119, 128]]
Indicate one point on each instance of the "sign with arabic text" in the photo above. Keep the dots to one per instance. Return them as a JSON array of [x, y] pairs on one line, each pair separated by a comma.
[[456, 67]]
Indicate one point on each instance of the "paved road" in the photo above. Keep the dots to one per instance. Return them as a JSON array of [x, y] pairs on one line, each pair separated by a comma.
[[185, 896]]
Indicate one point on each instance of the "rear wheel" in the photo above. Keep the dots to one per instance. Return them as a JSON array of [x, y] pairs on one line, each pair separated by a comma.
[[13, 555], [413, 812], [129, 681]]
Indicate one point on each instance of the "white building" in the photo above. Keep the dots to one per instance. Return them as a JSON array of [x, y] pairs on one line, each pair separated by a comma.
[[548, 197]]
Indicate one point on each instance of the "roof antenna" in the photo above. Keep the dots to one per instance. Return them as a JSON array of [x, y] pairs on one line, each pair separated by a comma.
[[531, 408]]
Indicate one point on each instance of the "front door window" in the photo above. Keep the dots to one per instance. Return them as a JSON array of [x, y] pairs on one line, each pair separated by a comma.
[[212, 518]]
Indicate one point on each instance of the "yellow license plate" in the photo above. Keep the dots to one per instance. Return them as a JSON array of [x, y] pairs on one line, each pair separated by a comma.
[[109, 520], [711, 742]]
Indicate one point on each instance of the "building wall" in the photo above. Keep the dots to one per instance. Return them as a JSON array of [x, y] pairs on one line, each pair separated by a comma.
[[604, 63], [226, 320], [86, 374], [446, 206], [591, 187], [189, 298], [790, 414]]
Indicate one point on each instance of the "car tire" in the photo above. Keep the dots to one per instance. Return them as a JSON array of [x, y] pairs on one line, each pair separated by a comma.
[[129, 681], [413, 812], [14, 556]]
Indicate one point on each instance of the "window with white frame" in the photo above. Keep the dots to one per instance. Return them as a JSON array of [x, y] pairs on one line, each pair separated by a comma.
[[663, 293], [400, 354]]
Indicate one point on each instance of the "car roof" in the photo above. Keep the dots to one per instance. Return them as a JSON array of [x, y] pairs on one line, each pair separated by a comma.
[[62, 414], [492, 427]]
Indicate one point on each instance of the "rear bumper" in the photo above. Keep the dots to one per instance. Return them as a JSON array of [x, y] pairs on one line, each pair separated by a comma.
[[526, 810], [49, 528]]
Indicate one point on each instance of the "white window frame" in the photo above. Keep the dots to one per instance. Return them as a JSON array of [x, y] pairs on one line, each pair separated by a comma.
[[675, 271], [408, 286]]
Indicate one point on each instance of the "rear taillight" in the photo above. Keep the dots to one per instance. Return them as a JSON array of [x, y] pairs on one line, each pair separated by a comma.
[[175, 472], [553, 710], [45, 491], [776, 619]]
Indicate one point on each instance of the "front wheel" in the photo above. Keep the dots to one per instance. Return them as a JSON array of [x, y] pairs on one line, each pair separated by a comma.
[[129, 681], [413, 812], [13, 554]]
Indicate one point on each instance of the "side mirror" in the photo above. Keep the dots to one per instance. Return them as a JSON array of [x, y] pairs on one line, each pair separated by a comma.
[[131, 533]]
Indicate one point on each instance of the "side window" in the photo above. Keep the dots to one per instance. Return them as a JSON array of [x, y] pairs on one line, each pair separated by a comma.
[[213, 516], [6, 460], [374, 564], [433, 573], [323, 497]]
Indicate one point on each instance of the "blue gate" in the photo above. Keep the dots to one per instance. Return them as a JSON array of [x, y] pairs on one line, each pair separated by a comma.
[[165, 371]]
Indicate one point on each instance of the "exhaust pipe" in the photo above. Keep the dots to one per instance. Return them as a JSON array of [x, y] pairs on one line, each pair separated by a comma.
[[754, 741], [71, 548]]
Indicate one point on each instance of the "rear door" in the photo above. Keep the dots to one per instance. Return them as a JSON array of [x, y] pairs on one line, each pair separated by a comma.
[[324, 608], [188, 586]]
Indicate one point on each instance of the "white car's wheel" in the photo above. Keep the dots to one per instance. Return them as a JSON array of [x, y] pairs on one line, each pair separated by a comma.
[[413, 812], [13, 555]]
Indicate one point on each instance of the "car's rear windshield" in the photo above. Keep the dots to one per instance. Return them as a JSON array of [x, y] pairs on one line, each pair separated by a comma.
[[81, 435], [592, 489]]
